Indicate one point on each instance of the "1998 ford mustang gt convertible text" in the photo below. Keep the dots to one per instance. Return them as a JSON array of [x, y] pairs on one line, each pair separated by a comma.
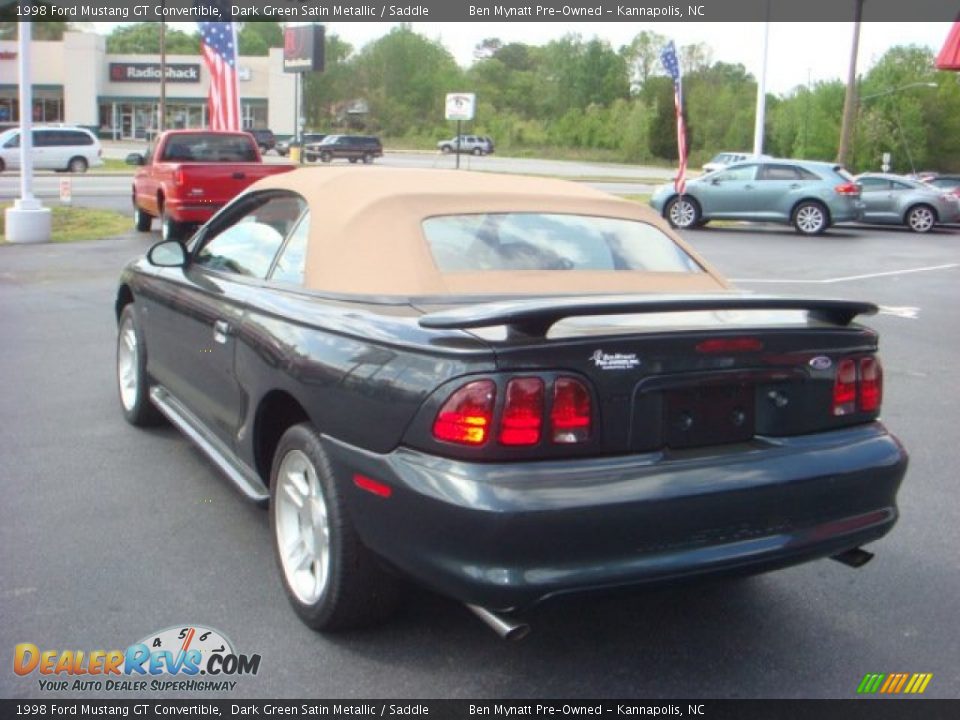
[[503, 388]]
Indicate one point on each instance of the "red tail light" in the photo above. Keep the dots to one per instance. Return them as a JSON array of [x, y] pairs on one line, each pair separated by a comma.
[[179, 177], [845, 388], [871, 384], [522, 412], [847, 189], [466, 417], [570, 417]]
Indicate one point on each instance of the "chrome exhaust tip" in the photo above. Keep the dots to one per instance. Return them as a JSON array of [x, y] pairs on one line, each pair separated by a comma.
[[855, 558], [502, 626]]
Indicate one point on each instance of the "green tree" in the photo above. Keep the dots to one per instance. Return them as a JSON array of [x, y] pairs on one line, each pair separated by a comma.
[[256, 38], [144, 39], [47, 30]]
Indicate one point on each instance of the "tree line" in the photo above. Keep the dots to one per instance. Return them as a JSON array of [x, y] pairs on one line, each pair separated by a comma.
[[583, 95]]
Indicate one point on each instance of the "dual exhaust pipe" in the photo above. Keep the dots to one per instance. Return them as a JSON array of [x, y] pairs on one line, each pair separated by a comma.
[[509, 629]]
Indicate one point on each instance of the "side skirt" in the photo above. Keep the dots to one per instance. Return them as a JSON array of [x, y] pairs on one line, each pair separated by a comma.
[[238, 472]]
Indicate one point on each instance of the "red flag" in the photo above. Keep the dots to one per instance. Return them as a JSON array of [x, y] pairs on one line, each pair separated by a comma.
[[949, 57], [668, 56], [219, 40]]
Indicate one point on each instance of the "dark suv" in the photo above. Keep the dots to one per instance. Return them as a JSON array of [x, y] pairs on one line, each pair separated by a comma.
[[349, 147], [264, 138]]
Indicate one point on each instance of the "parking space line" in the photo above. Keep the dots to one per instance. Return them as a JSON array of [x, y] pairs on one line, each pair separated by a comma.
[[848, 278]]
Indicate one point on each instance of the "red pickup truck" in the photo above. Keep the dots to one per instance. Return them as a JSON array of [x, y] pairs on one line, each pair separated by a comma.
[[187, 175]]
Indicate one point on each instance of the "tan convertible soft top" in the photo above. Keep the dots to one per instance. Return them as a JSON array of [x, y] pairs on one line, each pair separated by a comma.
[[366, 233]]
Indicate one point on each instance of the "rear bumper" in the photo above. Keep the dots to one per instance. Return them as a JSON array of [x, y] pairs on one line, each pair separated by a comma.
[[508, 536], [191, 211]]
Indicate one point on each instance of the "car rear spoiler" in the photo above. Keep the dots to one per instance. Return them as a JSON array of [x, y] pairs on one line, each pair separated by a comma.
[[535, 317]]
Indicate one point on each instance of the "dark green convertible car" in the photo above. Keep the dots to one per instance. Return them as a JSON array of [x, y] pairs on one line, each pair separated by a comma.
[[502, 388]]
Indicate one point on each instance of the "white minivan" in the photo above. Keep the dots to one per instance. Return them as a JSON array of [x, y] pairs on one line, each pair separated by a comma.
[[62, 147]]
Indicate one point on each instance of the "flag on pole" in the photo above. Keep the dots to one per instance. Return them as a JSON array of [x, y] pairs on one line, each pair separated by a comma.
[[219, 43], [668, 56], [949, 56]]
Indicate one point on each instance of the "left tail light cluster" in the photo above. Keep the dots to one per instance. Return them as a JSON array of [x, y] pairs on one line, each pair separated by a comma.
[[532, 409], [858, 386]]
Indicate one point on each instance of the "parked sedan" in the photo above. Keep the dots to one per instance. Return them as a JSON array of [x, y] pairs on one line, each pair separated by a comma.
[[504, 388], [896, 200], [810, 195]]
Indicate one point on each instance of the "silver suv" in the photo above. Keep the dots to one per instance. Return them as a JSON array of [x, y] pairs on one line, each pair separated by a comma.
[[473, 144]]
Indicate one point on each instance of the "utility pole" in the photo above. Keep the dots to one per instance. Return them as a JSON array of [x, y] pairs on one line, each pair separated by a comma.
[[760, 117], [850, 100]]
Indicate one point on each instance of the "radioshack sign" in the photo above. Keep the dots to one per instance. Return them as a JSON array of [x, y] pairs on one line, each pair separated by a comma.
[[150, 72]]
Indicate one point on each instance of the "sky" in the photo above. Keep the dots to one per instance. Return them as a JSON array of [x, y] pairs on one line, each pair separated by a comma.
[[797, 52]]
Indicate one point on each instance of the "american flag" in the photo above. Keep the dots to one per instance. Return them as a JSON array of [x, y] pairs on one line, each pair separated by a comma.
[[668, 56], [220, 54]]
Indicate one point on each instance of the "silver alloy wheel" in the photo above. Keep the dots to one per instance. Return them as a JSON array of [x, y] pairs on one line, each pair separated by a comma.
[[682, 213], [810, 219], [127, 364], [920, 219], [302, 527]]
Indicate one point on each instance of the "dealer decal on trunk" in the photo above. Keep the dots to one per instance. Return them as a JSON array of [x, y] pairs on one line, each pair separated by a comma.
[[615, 361]]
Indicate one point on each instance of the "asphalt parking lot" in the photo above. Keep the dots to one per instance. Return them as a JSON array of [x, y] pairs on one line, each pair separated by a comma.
[[109, 533]]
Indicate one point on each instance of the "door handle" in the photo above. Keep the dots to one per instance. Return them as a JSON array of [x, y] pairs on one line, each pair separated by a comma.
[[795, 186], [238, 176], [748, 187], [220, 331]]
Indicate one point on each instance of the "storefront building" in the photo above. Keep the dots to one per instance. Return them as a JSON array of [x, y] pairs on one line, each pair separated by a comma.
[[118, 96]]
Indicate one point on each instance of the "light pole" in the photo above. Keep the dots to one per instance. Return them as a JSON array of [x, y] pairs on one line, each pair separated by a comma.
[[896, 113]]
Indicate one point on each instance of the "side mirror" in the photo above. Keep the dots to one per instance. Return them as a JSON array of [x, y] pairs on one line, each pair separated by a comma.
[[715, 181], [135, 159], [169, 253]]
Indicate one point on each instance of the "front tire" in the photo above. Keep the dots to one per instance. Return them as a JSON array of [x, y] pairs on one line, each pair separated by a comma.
[[325, 156], [132, 380], [332, 581], [683, 212], [446, 149], [921, 218], [477, 151], [810, 218]]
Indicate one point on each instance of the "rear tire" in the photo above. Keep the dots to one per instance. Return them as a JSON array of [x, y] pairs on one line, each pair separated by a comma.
[[683, 212], [3, 165], [77, 165], [921, 218], [170, 229], [142, 220], [332, 580], [477, 151], [367, 158], [132, 381], [810, 218]]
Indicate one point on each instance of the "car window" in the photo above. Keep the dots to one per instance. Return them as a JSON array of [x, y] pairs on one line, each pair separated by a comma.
[[187, 147], [12, 141], [535, 241], [870, 184], [249, 245], [740, 173], [290, 262], [900, 186], [778, 172]]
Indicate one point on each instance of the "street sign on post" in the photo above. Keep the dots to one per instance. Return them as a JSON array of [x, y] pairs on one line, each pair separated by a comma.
[[886, 162], [460, 107], [66, 190]]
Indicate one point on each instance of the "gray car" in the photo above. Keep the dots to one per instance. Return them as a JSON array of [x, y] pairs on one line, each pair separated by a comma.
[[811, 196], [896, 200]]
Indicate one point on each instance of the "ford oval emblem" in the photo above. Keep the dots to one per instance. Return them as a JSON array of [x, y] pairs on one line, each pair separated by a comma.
[[821, 362]]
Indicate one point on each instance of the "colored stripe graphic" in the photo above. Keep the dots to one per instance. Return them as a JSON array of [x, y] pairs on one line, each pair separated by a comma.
[[894, 683]]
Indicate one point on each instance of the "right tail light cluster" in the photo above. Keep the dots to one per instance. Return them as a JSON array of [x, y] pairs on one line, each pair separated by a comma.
[[533, 408], [858, 386], [847, 189]]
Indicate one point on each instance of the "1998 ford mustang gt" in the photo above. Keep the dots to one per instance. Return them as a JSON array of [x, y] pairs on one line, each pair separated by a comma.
[[503, 388]]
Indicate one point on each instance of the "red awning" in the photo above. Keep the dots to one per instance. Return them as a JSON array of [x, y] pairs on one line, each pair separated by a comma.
[[949, 57]]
